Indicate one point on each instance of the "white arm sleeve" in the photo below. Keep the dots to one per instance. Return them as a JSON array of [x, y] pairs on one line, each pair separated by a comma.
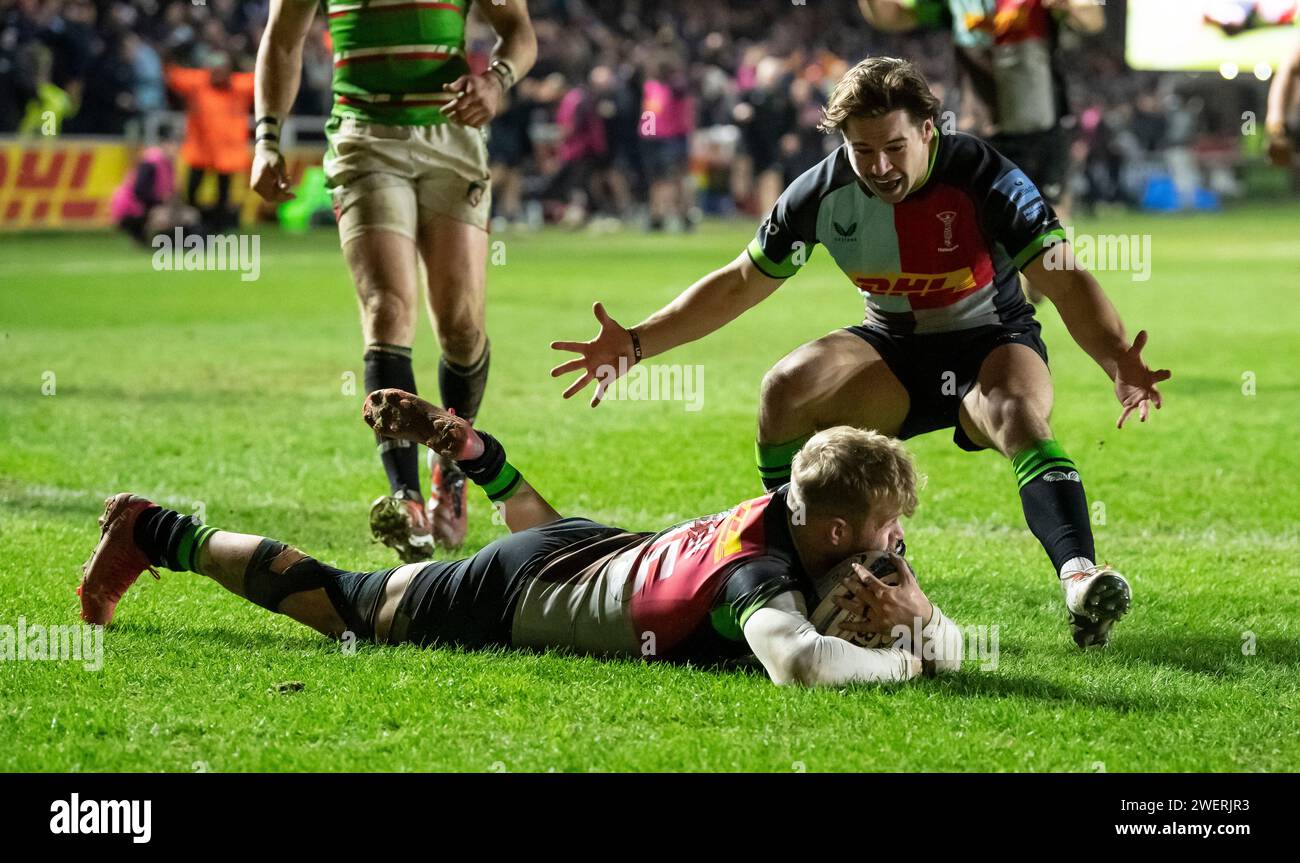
[[792, 651], [942, 644]]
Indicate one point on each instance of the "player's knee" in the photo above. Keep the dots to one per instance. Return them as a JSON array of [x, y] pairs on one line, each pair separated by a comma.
[[785, 386], [1014, 423], [461, 339], [386, 313], [274, 572]]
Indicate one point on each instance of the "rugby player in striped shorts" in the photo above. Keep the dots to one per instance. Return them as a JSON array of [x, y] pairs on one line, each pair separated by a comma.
[[407, 162], [934, 230], [711, 589]]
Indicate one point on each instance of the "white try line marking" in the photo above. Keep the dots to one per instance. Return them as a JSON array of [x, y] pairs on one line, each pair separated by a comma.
[[143, 265], [184, 502]]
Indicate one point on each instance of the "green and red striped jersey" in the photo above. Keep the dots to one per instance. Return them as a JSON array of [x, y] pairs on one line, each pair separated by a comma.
[[392, 58]]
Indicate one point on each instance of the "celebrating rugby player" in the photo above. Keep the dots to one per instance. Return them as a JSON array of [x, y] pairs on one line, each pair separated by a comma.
[[1012, 75], [934, 230]]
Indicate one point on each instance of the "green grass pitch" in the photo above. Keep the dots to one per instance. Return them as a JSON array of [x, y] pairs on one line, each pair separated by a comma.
[[201, 390]]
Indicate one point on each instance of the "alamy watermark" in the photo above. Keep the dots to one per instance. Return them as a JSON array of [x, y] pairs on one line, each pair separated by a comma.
[[218, 252], [654, 382], [133, 818], [979, 643], [34, 642], [1129, 253]]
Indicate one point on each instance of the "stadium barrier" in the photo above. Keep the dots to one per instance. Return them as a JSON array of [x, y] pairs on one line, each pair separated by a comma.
[[60, 184], [66, 183]]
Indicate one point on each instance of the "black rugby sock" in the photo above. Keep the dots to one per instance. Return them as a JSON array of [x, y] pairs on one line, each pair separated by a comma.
[[462, 387], [490, 471], [171, 540], [390, 366], [1056, 508]]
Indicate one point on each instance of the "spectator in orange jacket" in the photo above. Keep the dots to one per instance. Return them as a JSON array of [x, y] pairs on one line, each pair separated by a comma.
[[218, 102]]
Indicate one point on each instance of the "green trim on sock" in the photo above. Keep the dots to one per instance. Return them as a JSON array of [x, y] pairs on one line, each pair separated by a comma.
[[503, 484], [776, 459], [192, 540], [509, 492], [1038, 458], [201, 538], [186, 546], [773, 456], [387, 348]]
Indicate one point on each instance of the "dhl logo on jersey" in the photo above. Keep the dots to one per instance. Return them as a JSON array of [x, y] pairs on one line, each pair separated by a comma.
[[916, 284], [728, 542]]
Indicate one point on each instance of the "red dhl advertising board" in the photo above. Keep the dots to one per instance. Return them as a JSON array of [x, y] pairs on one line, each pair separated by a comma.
[[66, 184]]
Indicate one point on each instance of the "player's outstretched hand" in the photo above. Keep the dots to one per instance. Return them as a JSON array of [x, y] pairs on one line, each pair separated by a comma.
[[269, 178], [477, 99], [603, 359], [1135, 384]]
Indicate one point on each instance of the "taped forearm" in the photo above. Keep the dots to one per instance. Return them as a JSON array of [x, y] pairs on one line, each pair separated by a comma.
[[515, 53], [516, 48]]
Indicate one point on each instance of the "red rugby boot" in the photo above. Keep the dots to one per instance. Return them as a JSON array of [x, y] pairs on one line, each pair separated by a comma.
[[116, 562]]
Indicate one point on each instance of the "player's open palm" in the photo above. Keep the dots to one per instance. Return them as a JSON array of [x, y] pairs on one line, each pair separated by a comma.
[[1135, 383], [603, 359]]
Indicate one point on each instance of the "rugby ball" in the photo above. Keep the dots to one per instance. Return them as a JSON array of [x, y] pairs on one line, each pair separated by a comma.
[[828, 617]]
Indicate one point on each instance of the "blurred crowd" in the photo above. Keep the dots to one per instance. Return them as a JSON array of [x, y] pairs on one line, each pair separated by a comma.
[[659, 110], [740, 85], [96, 67]]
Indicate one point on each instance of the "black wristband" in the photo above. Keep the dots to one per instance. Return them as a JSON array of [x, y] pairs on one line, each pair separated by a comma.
[[504, 71], [636, 346], [502, 78]]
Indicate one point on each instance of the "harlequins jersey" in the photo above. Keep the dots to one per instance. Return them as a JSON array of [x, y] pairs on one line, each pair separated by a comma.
[[685, 592], [945, 258]]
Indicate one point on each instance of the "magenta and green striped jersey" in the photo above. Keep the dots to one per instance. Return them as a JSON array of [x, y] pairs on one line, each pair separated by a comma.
[[393, 57], [947, 257]]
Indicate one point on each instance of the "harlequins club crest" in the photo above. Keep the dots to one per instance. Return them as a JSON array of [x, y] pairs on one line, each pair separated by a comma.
[[947, 217]]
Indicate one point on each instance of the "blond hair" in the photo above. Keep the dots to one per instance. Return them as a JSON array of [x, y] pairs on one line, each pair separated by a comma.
[[876, 86], [850, 472]]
